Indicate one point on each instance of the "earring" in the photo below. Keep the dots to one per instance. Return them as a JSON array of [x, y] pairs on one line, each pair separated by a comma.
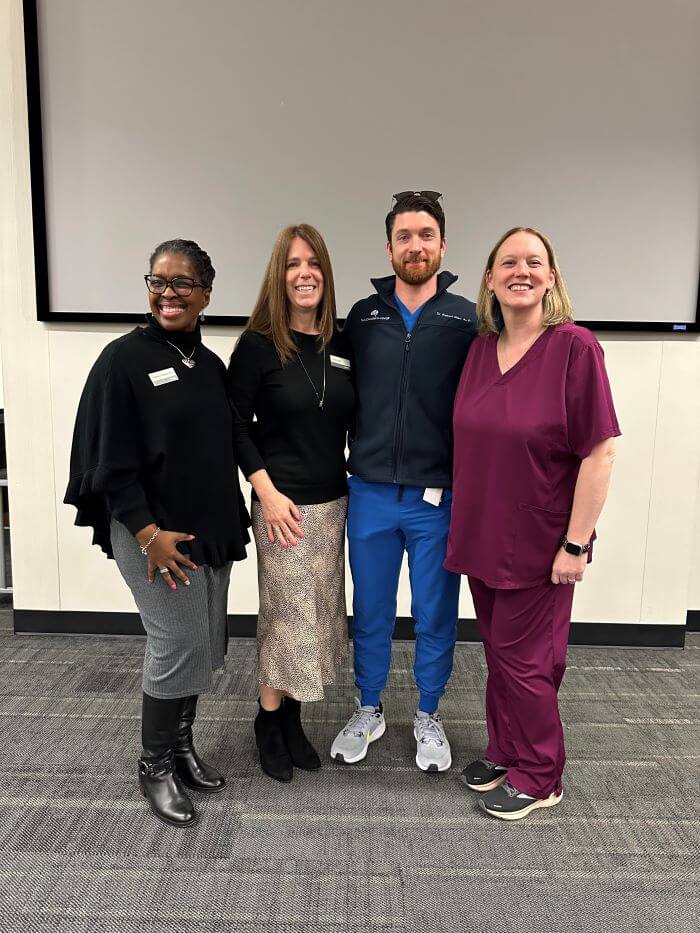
[[201, 316]]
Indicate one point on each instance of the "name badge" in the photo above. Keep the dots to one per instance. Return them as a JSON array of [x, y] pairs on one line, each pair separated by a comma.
[[161, 376], [432, 495], [340, 362]]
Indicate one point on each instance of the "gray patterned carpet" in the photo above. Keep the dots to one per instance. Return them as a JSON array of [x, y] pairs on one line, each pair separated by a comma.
[[376, 846]]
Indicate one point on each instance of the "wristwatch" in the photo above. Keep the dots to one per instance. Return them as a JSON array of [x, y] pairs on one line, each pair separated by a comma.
[[576, 549]]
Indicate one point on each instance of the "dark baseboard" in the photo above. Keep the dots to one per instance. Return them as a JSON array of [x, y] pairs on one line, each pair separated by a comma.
[[48, 622], [692, 620]]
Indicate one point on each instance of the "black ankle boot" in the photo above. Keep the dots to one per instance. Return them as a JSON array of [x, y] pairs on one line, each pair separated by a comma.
[[159, 782], [192, 771], [274, 757], [301, 751]]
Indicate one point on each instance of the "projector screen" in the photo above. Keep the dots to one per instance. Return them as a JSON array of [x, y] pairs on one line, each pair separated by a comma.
[[225, 121]]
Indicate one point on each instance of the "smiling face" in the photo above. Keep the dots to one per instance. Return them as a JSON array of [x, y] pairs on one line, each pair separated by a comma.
[[303, 277], [416, 248], [521, 273], [176, 312]]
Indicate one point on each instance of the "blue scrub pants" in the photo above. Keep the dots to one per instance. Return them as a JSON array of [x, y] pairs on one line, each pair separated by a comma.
[[383, 520]]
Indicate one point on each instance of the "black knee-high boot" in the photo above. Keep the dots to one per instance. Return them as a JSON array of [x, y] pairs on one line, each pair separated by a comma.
[[301, 751], [274, 757], [192, 771], [158, 779]]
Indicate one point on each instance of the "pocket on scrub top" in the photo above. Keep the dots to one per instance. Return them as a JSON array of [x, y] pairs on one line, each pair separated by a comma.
[[538, 534]]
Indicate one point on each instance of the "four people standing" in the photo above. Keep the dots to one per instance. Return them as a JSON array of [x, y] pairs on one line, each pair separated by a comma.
[[533, 428]]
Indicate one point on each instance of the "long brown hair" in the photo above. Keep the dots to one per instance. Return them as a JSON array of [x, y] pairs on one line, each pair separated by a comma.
[[556, 303], [270, 315]]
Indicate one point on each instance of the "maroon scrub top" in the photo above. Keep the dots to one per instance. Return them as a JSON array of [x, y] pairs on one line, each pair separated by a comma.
[[519, 440]]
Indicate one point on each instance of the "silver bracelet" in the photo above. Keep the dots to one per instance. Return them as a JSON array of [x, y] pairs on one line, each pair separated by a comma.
[[145, 547]]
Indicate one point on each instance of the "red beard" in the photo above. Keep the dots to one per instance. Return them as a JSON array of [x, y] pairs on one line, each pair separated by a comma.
[[419, 275]]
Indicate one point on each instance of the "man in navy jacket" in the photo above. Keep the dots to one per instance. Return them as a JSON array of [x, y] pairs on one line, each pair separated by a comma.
[[408, 343]]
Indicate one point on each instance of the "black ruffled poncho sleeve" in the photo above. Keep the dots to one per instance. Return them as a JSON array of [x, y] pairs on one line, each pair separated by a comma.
[[148, 450], [106, 453]]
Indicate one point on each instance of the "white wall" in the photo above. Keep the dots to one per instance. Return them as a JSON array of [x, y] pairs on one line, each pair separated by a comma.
[[646, 559], [694, 581], [642, 558]]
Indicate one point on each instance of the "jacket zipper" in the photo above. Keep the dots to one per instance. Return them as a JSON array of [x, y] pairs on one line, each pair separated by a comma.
[[400, 415], [398, 433]]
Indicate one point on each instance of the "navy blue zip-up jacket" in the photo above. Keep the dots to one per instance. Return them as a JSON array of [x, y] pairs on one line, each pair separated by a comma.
[[406, 383]]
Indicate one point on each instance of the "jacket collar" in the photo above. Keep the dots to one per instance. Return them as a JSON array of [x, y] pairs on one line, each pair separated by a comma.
[[386, 286]]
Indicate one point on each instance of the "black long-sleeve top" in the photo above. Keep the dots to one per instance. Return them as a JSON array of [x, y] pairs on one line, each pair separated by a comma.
[[153, 442], [301, 445]]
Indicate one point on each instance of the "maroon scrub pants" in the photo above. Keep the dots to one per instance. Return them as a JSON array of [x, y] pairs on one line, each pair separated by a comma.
[[525, 635]]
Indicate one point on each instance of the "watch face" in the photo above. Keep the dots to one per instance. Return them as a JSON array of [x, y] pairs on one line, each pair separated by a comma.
[[574, 549]]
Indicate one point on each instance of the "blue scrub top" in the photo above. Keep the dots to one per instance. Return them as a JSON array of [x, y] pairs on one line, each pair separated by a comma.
[[409, 317]]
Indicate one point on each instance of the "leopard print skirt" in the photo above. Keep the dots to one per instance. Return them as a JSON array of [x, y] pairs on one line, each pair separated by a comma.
[[302, 621]]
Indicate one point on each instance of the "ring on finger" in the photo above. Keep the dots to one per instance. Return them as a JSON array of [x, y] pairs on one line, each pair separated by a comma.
[[164, 570]]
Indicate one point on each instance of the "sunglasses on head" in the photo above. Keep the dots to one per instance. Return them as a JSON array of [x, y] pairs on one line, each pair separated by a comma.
[[404, 195]]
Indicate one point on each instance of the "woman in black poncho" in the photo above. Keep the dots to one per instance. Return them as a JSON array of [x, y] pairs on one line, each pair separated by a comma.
[[153, 472]]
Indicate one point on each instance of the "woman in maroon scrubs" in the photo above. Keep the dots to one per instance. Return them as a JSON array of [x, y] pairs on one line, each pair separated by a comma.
[[533, 442]]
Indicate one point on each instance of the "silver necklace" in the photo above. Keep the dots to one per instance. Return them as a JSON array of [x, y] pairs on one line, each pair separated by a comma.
[[186, 360], [322, 396]]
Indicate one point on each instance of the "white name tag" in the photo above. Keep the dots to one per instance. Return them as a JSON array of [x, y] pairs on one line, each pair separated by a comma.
[[433, 496], [161, 376], [340, 362]]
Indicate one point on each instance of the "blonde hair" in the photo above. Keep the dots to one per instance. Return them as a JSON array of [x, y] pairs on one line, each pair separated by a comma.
[[270, 315], [556, 302]]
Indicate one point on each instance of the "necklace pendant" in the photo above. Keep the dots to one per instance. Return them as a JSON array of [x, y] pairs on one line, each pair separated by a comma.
[[320, 404], [190, 364]]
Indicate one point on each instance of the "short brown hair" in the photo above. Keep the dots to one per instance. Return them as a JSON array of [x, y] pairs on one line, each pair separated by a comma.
[[557, 304], [270, 315], [411, 203]]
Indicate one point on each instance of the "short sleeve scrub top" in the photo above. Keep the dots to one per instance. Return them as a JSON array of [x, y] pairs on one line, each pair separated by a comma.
[[519, 439]]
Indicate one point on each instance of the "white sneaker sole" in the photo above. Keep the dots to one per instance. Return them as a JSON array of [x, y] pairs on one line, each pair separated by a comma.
[[550, 801], [482, 788], [432, 765], [371, 737]]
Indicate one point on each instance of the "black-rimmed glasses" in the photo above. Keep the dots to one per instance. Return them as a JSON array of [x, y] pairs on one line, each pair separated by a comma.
[[181, 285], [404, 195]]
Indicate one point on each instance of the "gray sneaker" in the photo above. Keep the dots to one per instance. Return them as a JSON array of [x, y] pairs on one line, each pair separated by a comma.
[[433, 751], [364, 726]]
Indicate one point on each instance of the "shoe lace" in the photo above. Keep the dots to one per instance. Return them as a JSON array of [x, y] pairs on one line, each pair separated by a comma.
[[430, 730], [514, 792], [492, 764], [359, 722]]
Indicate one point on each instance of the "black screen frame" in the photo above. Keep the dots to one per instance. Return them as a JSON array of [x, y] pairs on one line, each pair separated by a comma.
[[41, 258]]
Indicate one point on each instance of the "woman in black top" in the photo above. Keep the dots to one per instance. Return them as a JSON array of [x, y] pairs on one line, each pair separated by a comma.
[[291, 372], [153, 471]]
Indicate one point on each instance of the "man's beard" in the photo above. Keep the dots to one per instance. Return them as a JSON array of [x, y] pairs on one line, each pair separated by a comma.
[[417, 276]]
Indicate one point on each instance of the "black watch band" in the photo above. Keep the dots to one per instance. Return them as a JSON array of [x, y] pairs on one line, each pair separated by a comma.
[[576, 549]]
